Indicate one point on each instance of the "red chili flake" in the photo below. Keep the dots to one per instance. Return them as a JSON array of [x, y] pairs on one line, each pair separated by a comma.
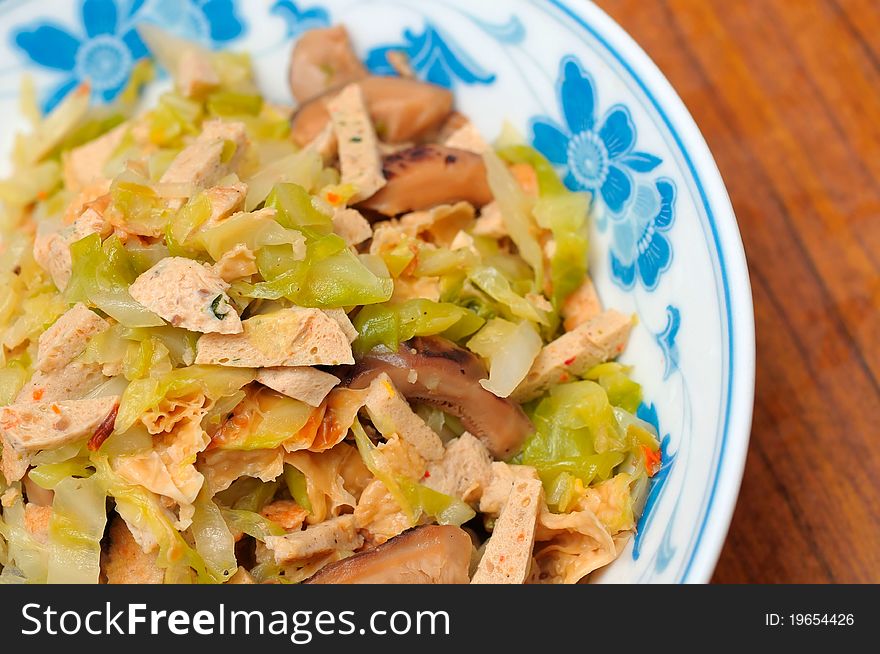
[[333, 198], [653, 460], [570, 361], [38, 394], [427, 475], [56, 409], [104, 430]]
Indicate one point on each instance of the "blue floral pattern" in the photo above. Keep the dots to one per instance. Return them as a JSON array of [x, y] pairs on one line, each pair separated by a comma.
[[105, 49], [648, 413], [300, 20], [639, 247], [598, 155], [667, 340], [595, 147], [434, 56]]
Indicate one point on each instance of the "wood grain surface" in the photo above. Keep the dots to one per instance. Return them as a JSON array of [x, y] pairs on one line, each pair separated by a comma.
[[787, 94]]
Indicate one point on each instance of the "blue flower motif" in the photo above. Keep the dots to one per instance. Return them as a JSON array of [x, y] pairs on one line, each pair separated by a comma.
[[599, 156], [648, 413], [210, 22], [107, 47], [300, 20], [666, 340], [104, 55], [639, 247], [435, 56]]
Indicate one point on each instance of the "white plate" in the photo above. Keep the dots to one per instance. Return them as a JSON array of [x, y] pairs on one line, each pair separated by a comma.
[[665, 243]]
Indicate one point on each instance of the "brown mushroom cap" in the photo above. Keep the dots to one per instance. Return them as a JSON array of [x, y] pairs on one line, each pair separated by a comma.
[[426, 176], [447, 377], [323, 59], [431, 554], [402, 110]]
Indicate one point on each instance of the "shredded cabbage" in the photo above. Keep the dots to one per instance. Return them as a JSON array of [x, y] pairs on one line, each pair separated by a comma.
[[101, 276], [263, 421], [252, 524], [214, 382], [214, 542], [510, 349], [391, 324], [79, 515], [577, 432], [516, 211], [413, 498], [296, 484], [496, 285]]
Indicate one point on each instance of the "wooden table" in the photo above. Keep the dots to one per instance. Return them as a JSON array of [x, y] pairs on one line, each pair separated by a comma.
[[787, 94]]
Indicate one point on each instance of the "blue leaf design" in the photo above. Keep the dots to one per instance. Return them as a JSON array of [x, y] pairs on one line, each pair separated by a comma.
[[300, 20], [50, 46], [648, 413], [512, 32], [224, 23], [641, 162], [666, 340], [434, 56]]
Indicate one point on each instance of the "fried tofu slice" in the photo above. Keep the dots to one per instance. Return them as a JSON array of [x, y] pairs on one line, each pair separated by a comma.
[[196, 76], [303, 383], [290, 337], [331, 535], [490, 222], [601, 339], [344, 323], [351, 226], [581, 306], [502, 477], [187, 294], [125, 562], [359, 157], [391, 414], [508, 554], [84, 165], [467, 137], [464, 471], [26, 429], [237, 263], [69, 382], [286, 513], [36, 522], [222, 467], [208, 159], [52, 251], [225, 201], [67, 337]]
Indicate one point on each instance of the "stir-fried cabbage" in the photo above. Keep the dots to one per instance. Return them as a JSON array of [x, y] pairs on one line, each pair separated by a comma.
[[516, 210], [579, 434], [413, 498], [391, 324], [196, 457], [511, 349], [214, 382], [79, 515], [101, 276]]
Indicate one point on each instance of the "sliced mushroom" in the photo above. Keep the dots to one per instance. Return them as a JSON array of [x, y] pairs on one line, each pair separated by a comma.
[[435, 371], [402, 110], [431, 554], [323, 59], [426, 176]]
